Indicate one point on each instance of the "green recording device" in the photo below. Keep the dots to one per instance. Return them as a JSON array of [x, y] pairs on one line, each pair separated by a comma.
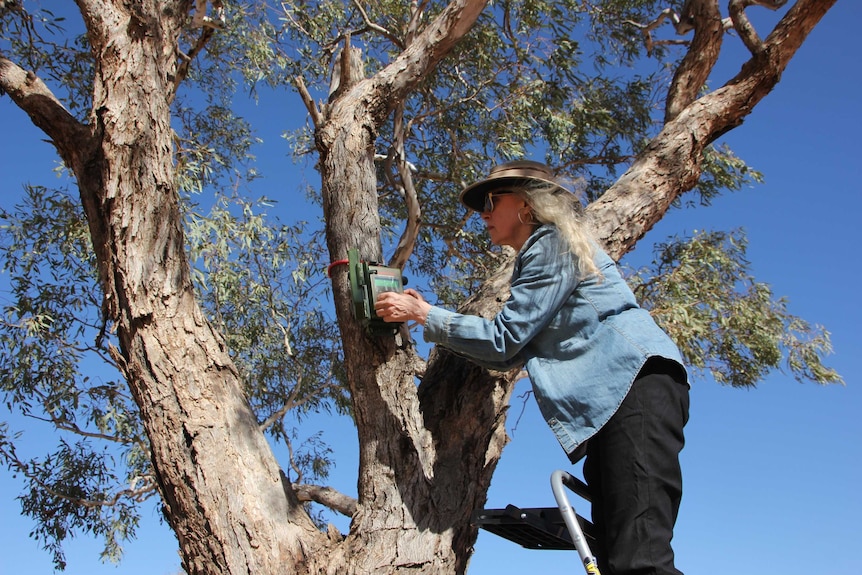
[[367, 281]]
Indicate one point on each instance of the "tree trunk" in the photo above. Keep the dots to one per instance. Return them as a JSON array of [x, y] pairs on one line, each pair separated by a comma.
[[415, 493], [221, 485]]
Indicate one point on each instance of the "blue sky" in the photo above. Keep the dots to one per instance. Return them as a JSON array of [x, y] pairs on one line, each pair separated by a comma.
[[772, 475]]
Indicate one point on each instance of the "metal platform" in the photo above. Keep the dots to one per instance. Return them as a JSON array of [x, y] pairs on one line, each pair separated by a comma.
[[532, 528]]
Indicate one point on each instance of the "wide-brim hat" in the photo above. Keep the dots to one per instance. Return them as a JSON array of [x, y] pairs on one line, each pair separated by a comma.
[[508, 175]]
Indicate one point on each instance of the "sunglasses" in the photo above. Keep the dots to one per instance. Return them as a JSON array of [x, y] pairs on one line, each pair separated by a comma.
[[488, 207]]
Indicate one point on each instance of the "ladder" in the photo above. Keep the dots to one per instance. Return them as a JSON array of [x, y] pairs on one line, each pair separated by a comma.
[[546, 527]]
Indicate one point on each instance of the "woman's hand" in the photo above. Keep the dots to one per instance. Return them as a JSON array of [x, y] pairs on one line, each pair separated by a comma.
[[396, 307]]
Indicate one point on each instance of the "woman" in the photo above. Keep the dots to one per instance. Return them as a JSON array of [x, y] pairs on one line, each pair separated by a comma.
[[609, 382]]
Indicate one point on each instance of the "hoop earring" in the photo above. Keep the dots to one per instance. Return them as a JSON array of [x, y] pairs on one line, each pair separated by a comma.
[[530, 222]]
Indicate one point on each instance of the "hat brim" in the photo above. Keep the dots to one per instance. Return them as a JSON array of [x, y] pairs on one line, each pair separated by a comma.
[[473, 196]]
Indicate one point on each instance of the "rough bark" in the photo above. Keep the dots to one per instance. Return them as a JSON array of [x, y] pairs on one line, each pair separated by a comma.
[[220, 483], [406, 518], [194, 411]]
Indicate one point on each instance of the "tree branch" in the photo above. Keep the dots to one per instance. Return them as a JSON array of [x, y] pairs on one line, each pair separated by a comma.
[[186, 59], [30, 93], [377, 28], [681, 27], [414, 212], [347, 69], [389, 85], [743, 26], [671, 163], [702, 54], [307, 100], [327, 497]]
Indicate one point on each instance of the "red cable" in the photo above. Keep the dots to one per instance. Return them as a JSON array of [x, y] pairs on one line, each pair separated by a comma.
[[333, 264]]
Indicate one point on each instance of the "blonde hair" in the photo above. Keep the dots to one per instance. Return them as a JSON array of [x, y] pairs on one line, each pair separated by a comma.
[[555, 205]]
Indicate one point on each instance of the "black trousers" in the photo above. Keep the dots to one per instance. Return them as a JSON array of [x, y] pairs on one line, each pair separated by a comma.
[[632, 469]]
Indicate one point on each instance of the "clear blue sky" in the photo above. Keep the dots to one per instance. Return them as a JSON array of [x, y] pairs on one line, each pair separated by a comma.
[[773, 476]]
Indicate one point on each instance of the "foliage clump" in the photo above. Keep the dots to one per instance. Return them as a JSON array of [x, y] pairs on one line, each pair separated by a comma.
[[702, 291]]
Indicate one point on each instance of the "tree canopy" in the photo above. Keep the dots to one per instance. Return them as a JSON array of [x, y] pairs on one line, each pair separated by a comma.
[[163, 273]]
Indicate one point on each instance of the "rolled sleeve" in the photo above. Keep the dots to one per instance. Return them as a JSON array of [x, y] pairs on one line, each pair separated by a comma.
[[436, 323]]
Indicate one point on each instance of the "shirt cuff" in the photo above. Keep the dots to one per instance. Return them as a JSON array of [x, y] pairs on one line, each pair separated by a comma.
[[436, 328]]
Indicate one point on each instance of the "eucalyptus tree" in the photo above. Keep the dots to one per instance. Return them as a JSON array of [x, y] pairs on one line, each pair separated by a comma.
[[406, 102]]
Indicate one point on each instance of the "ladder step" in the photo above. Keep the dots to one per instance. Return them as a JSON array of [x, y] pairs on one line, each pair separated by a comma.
[[532, 528]]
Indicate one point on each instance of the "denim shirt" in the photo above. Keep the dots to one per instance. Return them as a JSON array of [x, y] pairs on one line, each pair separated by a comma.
[[582, 341]]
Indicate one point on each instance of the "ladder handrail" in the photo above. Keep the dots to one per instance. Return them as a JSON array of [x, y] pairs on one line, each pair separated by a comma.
[[558, 479]]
